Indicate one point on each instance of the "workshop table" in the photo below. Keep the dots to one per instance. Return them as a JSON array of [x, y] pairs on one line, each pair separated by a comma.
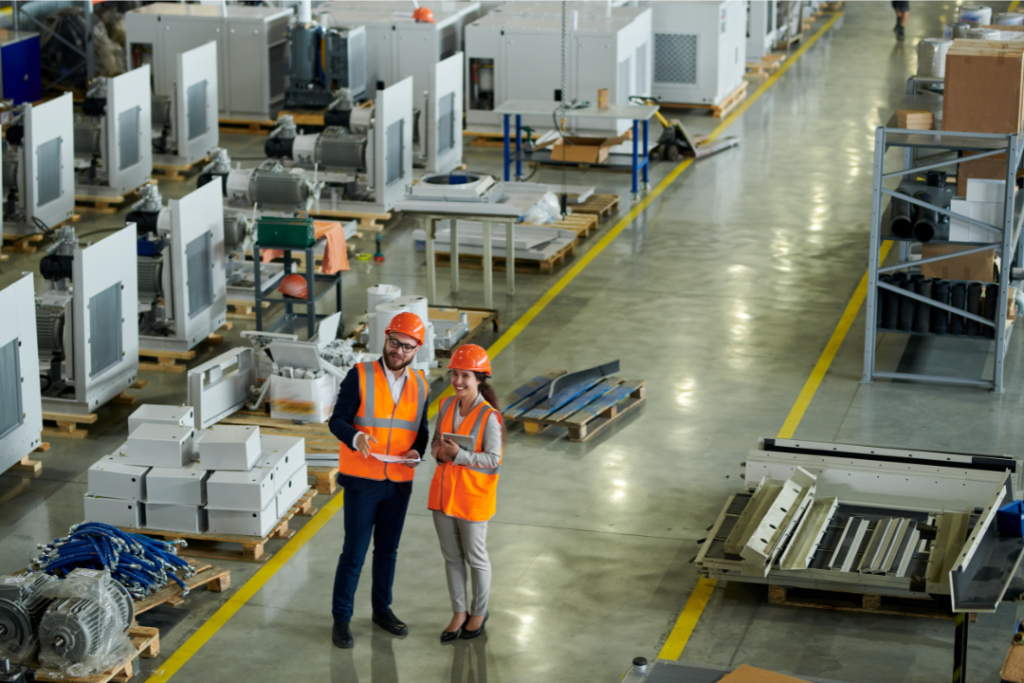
[[639, 113]]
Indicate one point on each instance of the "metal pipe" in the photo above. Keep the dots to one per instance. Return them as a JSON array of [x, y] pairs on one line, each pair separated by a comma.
[[959, 301], [922, 315], [973, 306], [940, 318], [901, 222], [926, 220], [991, 308], [906, 316]]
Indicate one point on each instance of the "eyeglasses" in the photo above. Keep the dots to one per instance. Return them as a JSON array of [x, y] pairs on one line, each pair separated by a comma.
[[407, 348]]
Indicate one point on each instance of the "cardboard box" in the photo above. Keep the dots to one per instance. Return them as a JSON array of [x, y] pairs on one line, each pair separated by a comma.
[[115, 512], [750, 674], [183, 518], [603, 99], [984, 87], [584, 150], [979, 266], [993, 168], [303, 400], [111, 478]]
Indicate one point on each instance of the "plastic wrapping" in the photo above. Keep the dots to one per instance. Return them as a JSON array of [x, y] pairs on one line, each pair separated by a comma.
[[983, 34], [978, 15], [955, 30], [83, 630], [931, 57], [547, 210], [1009, 19], [22, 605]]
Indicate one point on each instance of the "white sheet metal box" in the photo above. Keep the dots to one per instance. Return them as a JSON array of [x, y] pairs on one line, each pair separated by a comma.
[[284, 454], [115, 512], [246, 491], [159, 445], [177, 485], [181, 416], [699, 50], [183, 518], [111, 478], [244, 522], [293, 489], [229, 447]]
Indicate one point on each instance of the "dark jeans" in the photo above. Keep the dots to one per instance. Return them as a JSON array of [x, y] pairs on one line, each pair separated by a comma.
[[377, 509]]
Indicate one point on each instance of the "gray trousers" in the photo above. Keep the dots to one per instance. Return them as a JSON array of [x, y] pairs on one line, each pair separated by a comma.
[[462, 542]]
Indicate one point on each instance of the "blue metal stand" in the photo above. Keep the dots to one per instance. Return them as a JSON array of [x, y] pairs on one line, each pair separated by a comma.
[[641, 160]]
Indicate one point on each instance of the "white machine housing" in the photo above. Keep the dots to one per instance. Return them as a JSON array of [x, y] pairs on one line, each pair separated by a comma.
[[21, 412], [125, 146], [194, 106], [762, 28], [196, 279], [444, 115], [222, 385], [101, 338], [522, 54], [699, 50], [42, 169], [252, 50]]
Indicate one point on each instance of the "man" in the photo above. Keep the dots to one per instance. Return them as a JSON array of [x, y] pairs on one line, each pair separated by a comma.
[[902, 9], [381, 409]]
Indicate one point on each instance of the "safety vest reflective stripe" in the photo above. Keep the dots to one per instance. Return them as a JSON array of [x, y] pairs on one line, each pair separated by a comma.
[[475, 433], [387, 422], [465, 491]]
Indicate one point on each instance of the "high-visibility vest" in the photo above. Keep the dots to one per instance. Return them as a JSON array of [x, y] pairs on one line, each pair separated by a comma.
[[465, 491], [395, 427]]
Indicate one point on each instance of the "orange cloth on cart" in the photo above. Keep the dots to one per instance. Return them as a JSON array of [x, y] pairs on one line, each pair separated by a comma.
[[335, 252]]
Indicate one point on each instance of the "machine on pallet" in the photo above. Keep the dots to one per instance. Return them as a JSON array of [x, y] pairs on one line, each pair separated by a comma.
[[38, 167], [21, 77], [699, 50], [369, 156], [21, 412], [324, 61], [252, 44], [113, 154], [185, 120], [181, 268], [762, 27], [86, 329]]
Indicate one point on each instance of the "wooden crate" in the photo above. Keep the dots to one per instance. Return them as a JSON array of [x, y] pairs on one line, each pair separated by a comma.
[[720, 110], [246, 126], [872, 603], [603, 205], [584, 409], [476, 262], [21, 244], [215, 579], [144, 639]]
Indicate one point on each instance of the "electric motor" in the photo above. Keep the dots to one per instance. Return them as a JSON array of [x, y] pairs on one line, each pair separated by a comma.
[[50, 331], [22, 606], [72, 629], [338, 148], [237, 228], [150, 277], [269, 187]]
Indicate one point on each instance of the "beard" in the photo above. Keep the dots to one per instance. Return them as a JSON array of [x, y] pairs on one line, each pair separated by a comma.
[[393, 360]]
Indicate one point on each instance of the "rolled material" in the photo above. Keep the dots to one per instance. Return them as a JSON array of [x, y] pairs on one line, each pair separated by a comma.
[[907, 306], [416, 304], [926, 221], [381, 319], [901, 212], [959, 300], [381, 294], [923, 312], [983, 34], [974, 290], [955, 30], [1009, 19], [941, 294], [931, 57], [991, 307], [977, 15]]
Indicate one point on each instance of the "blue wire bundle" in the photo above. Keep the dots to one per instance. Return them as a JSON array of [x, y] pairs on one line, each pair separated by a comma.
[[141, 564]]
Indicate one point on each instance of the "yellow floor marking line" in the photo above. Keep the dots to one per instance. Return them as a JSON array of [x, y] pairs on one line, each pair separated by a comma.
[[698, 600], [1013, 6], [245, 593]]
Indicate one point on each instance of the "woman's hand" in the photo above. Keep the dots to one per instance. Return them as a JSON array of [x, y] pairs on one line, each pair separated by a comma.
[[447, 450]]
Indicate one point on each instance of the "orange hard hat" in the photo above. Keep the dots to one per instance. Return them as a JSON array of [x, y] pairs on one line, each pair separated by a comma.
[[470, 357], [407, 323], [423, 14], [293, 285]]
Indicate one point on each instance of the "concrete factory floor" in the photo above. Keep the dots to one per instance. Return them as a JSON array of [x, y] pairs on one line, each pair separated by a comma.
[[722, 294]]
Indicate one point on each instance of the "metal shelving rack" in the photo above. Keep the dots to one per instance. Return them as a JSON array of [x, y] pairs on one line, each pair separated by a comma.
[[926, 146]]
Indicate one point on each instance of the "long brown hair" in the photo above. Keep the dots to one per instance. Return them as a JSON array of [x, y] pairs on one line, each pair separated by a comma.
[[491, 396]]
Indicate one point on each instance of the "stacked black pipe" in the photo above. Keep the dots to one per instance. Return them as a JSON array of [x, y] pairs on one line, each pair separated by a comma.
[[898, 312]]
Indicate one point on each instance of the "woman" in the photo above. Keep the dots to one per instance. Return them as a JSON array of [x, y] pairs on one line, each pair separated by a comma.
[[464, 490]]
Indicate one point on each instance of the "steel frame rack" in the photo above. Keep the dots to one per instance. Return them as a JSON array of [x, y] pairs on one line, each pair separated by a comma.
[[936, 143]]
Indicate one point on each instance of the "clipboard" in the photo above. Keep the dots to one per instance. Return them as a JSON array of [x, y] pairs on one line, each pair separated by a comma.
[[394, 458], [464, 441]]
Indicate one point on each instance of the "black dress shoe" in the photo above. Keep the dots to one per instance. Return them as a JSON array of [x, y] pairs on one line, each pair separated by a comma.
[[341, 635], [390, 623], [449, 636], [469, 635]]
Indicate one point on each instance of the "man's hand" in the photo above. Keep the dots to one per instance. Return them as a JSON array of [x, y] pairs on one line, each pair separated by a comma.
[[363, 441], [412, 455]]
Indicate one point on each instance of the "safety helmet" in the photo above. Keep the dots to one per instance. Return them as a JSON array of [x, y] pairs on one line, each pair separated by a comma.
[[293, 285], [407, 323], [470, 357], [423, 14]]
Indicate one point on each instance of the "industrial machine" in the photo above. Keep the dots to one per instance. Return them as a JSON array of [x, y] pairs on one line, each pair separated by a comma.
[[38, 167], [510, 57], [185, 122], [181, 268], [369, 156], [21, 78], [21, 413], [323, 61], [699, 50], [252, 45], [762, 28], [113, 154], [23, 602], [86, 330], [85, 623]]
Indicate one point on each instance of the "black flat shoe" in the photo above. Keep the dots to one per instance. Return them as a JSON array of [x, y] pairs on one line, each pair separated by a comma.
[[341, 635], [470, 635], [449, 636], [390, 623]]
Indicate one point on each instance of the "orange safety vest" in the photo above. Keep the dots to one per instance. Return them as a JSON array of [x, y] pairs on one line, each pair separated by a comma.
[[394, 426], [465, 491]]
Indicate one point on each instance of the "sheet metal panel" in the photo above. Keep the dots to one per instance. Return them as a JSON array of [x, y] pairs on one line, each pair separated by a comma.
[[129, 160]]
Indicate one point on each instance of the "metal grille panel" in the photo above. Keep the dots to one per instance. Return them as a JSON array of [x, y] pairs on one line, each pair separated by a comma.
[[278, 57], [198, 261], [641, 70], [357, 65], [48, 172], [395, 148], [10, 388], [105, 325], [446, 123], [196, 97], [675, 58], [625, 86], [128, 137]]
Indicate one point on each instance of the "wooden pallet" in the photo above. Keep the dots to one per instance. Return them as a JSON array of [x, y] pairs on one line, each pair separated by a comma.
[[177, 171], [101, 204], [167, 361], [477, 318], [27, 466], [317, 435], [584, 409], [247, 126], [720, 110], [215, 579], [67, 424], [323, 479], [494, 139], [583, 224], [210, 545], [244, 310], [786, 44], [21, 244], [145, 640], [872, 603], [833, 6], [768, 65], [476, 262], [604, 205], [367, 221], [126, 399], [305, 117]]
